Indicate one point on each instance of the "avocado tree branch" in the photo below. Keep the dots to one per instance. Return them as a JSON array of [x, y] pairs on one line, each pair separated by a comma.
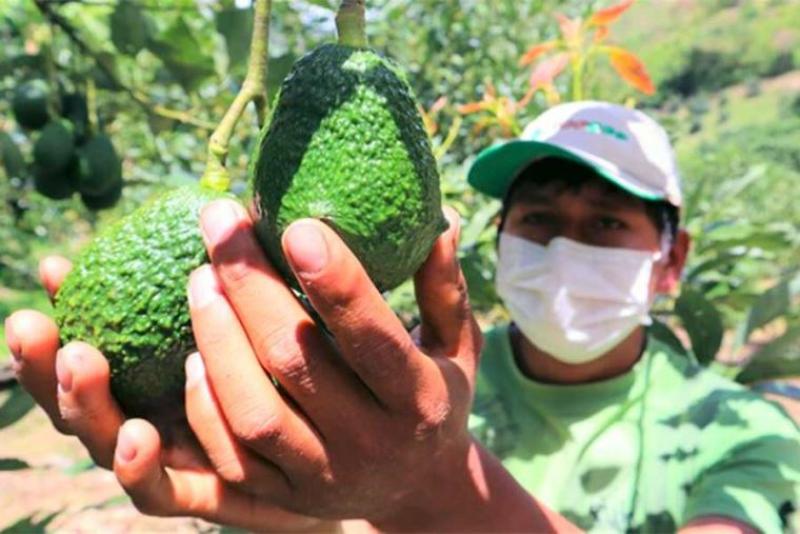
[[50, 14], [254, 89]]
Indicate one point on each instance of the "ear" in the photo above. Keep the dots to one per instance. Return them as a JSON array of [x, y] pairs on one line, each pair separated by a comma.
[[670, 276]]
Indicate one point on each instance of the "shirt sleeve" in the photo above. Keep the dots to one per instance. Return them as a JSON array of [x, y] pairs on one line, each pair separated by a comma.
[[757, 479]]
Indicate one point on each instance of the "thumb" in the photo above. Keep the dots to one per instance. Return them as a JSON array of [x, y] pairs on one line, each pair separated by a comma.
[[447, 320]]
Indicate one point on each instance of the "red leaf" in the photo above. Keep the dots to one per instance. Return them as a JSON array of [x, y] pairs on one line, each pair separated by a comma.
[[601, 34], [535, 51], [570, 28], [439, 105], [472, 107], [631, 69], [609, 15], [548, 70]]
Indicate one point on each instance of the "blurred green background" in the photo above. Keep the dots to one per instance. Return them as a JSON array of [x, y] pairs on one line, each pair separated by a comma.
[[727, 88]]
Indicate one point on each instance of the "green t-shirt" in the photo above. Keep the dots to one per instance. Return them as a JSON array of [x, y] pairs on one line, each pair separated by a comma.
[[647, 451]]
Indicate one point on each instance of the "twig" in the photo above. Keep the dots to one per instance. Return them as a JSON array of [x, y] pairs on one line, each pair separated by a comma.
[[254, 89], [181, 116]]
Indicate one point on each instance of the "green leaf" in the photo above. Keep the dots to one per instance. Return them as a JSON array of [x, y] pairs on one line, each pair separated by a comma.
[[13, 464], [665, 335], [79, 467], [236, 26], [778, 359], [181, 52], [11, 157], [29, 525], [702, 322], [130, 29], [478, 223], [769, 306], [16, 406]]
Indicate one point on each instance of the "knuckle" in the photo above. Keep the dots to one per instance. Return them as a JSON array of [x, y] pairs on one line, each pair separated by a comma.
[[254, 428], [148, 506], [431, 421], [235, 273]]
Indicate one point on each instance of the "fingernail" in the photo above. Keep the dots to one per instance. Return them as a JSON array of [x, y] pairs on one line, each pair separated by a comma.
[[12, 341], [195, 369], [66, 361], [307, 248], [126, 449], [217, 219], [203, 287]]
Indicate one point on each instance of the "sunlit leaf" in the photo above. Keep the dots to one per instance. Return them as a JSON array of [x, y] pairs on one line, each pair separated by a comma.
[[779, 358], [769, 306], [548, 70], [180, 50], [631, 69], [609, 15], [536, 51]]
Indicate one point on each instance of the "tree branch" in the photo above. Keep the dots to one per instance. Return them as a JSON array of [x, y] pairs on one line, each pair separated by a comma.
[[181, 116], [254, 89]]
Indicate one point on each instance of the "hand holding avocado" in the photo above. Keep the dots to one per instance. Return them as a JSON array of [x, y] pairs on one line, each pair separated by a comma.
[[365, 422], [165, 477]]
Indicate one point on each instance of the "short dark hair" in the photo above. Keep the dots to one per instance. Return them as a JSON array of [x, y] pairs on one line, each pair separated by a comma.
[[568, 174]]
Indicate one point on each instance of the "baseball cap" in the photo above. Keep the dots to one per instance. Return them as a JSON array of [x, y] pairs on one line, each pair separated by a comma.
[[621, 144]]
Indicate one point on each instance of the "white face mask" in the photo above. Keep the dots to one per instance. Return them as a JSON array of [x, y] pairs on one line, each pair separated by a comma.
[[571, 300]]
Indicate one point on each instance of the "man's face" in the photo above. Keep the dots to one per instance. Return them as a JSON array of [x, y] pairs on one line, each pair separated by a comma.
[[595, 213]]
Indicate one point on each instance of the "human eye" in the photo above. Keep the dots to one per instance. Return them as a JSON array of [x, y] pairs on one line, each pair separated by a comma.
[[607, 222], [537, 218]]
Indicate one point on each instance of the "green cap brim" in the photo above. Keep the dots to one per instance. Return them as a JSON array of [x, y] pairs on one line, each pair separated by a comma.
[[496, 168]]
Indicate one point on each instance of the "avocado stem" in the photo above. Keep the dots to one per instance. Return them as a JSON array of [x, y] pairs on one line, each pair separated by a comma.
[[351, 24], [254, 89]]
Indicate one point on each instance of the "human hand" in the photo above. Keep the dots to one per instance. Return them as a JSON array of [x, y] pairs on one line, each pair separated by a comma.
[[165, 479], [369, 422]]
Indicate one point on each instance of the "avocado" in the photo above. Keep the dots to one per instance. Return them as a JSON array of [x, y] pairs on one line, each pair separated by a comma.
[[56, 185], [11, 157], [126, 295], [55, 147], [130, 29], [100, 167], [29, 104], [75, 109], [107, 200], [346, 144]]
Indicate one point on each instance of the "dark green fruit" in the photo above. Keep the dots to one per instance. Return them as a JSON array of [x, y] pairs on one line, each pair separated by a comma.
[[11, 157], [54, 149], [107, 200], [75, 109], [126, 295], [101, 168], [346, 145], [130, 30], [29, 104], [56, 185]]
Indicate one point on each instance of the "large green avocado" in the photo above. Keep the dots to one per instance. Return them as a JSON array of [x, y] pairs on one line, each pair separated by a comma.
[[29, 104], [346, 144], [126, 295]]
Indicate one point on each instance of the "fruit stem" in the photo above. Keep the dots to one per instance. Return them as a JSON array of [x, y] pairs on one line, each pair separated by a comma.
[[254, 89], [351, 24]]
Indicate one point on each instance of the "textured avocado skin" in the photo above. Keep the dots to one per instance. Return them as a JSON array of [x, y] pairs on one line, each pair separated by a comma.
[[126, 295], [346, 144]]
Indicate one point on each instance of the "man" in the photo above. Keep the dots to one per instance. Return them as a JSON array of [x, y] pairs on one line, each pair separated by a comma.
[[590, 417]]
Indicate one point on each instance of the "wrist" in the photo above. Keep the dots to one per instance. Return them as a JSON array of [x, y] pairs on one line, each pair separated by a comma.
[[470, 492]]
